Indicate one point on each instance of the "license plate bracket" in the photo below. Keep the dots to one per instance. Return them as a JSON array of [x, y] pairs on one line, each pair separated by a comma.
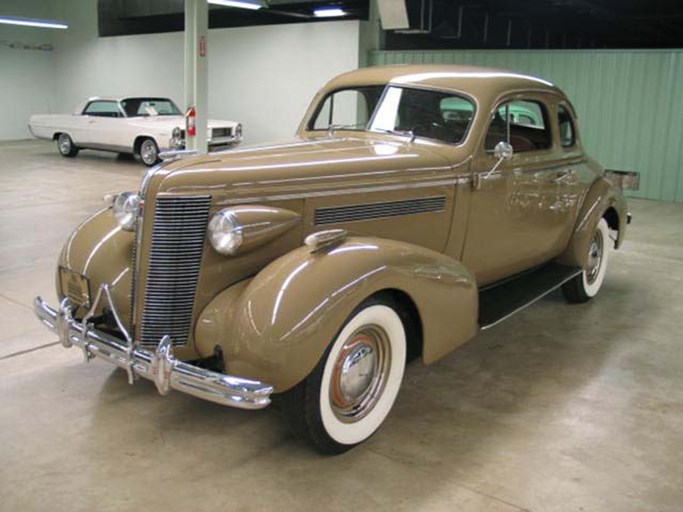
[[75, 286]]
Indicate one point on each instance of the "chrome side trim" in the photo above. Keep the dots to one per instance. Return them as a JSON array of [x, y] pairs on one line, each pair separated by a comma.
[[327, 193], [159, 366]]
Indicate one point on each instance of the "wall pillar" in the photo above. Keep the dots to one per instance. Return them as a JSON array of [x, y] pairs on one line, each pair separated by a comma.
[[196, 69]]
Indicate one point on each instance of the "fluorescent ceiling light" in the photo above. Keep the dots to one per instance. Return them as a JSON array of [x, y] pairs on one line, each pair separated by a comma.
[[328, 12], [26, 22], [237, 3]]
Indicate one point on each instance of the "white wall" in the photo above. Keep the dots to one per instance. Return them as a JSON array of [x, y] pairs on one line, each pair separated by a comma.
[[266, 76], [263, 77], [26, 75]]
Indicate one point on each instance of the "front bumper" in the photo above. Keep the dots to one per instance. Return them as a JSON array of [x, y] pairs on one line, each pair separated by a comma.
[[177, 147], [160, 366]]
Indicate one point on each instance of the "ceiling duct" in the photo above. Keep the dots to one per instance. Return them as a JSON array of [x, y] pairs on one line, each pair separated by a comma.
[[393, 14], [421, 16]]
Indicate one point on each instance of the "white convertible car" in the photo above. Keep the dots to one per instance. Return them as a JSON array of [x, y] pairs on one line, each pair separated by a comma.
[[142, 126]]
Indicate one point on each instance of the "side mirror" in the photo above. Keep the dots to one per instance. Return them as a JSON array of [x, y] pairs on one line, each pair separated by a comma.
[[503, 151]]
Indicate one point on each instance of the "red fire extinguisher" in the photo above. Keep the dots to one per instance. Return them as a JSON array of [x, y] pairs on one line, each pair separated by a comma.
[[190, 119]]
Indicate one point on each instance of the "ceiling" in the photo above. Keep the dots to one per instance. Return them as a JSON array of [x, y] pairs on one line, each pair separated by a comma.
[[125, 17], [492, 24], [535, 24]]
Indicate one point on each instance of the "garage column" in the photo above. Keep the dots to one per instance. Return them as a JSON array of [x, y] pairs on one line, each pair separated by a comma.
[[196, 69]]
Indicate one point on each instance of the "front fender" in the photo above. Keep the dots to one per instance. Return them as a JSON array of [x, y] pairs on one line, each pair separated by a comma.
[[101, 250], [276, 326]]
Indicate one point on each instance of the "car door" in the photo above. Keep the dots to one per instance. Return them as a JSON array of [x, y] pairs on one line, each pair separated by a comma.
[[105, 120], [518, 217]]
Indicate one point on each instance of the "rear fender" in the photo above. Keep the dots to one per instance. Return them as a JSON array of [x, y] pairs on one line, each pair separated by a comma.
[[601, 197], [276, 326]]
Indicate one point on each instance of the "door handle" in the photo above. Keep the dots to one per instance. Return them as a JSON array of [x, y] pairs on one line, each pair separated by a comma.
[[563, 175]]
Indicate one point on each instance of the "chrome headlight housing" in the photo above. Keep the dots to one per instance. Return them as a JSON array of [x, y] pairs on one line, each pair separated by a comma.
[[126, 207], [176, 138], [225, 232], [238, 132]]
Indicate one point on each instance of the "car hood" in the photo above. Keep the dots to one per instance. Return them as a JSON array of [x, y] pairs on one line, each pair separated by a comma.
[[307, 165], [171, 122]]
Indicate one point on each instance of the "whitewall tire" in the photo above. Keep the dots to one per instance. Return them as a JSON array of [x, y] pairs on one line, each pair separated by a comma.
[[586, 285], [349, 394], [66, 146], [149, 152]]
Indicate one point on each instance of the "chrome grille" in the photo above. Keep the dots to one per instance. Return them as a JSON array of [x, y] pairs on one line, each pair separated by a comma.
[[220, 132], [135, 266], [369, 211], [175, 257]]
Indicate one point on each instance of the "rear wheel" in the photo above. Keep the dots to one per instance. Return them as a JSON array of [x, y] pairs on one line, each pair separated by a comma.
[[149, 152], [586, 285], [350, 392], [66, 146]]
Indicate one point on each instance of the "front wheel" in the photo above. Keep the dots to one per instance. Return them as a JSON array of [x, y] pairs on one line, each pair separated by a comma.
[[66, 146], [350, 392], [586, 285], [149, 152]]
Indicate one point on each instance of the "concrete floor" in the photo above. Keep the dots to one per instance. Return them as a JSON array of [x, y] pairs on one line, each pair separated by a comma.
[[561, 408]]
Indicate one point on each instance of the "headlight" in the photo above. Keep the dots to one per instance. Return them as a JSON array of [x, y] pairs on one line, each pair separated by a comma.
[[176, 138], [126, 207], [238, 131], [225, 232]]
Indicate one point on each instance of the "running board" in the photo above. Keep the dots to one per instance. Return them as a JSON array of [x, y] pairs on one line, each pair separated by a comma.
[[502, 300]]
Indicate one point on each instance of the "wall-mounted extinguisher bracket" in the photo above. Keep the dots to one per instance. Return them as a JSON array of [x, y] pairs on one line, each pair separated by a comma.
[[191, 122]]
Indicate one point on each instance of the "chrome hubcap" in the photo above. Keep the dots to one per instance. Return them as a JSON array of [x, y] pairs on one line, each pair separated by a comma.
[[64, 143], [594, 257], [359, 374], [148, 152]]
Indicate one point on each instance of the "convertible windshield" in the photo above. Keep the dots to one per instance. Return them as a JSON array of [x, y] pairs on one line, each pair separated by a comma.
[[430, 114], [136, 107]]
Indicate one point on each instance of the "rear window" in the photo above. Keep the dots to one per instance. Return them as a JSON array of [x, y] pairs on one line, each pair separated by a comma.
[[102, 109]]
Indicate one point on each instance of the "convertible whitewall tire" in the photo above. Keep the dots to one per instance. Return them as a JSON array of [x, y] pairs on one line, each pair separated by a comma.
[[149, 152], [349, 394], [66, 146], [587, 285]]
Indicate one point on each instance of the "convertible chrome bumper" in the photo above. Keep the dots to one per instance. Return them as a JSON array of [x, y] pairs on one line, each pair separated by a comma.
[[160, 366]]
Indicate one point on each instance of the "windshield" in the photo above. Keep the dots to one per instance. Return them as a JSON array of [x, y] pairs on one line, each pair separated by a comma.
[[136, 107], [437, 115]]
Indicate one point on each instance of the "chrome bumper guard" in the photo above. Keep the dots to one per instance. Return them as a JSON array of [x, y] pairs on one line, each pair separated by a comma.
[[160, 366]]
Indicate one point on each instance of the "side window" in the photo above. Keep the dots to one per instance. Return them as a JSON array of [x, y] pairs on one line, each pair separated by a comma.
[[102, 109], [349, 108], [564, 120], [522, 123]]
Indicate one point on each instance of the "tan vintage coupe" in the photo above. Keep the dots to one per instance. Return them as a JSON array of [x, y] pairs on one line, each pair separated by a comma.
[[416, 206]]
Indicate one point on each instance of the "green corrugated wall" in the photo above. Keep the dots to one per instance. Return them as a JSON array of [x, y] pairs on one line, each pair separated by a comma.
[[629, 103]]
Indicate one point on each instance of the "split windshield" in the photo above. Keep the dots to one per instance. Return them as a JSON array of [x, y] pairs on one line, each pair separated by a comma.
[[142, 107], [424, 113]]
